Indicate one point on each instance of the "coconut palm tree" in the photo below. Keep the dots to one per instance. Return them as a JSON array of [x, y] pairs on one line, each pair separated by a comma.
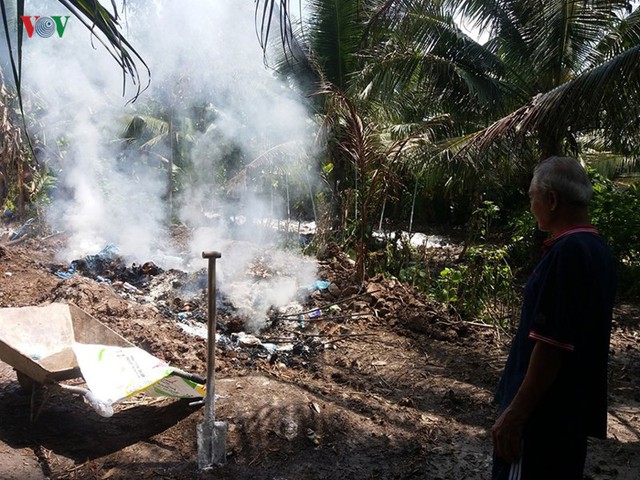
[[576, 64], [568, 68], [562, 78], [364, 142], [421, 65]]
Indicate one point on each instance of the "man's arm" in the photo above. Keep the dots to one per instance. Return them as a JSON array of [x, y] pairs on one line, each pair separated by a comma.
[[543, 369]]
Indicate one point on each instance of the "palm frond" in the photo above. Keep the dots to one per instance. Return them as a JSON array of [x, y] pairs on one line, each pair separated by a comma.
[[623, 35], [605, 96], [425, 50], [613, 165], [563, 34], [428, 130], [453, 168], [104, 27], [146, 130], [99, 20], [271, 14], [505, 20], [273, 156], [153, 141], [153, 124], [335, 35]]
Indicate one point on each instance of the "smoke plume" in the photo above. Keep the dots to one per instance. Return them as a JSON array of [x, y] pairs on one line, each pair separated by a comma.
[[210, 89]]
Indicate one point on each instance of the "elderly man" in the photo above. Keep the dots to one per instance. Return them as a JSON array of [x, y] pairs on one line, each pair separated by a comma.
[[553, 392]]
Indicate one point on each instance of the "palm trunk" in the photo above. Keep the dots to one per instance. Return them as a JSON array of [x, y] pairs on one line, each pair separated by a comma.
[[413, 205], [384, 206]]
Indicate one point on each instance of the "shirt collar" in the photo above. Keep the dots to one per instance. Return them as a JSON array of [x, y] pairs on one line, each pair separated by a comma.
[[548, 243]]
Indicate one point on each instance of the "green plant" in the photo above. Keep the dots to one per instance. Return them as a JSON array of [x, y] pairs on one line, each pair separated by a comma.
[[615, 211], [40, 188], [490, 284], [482, 218], [481, 286], [449, 284], [417, 275], [521, 247]]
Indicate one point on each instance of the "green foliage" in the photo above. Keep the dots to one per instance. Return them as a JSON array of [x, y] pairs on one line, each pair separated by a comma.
[[522, 244], [479, 285], [482, 219], [616, 214], [482, 286], [490, 283], [398, 257], [41, 187], [8, 205], [449, 285], [614, 211]]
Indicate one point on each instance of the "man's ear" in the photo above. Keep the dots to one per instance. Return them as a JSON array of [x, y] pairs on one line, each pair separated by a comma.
[[554, 200]]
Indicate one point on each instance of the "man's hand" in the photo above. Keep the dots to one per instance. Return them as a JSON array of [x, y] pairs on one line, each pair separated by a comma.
[[507, 435], [544, 365]]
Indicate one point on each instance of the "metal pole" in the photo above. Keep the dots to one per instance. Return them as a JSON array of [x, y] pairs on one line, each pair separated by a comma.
[[209, 414], [212, 435]]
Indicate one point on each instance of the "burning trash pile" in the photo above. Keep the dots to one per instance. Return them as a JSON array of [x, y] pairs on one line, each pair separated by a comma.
[[107, 266], [257, 322]]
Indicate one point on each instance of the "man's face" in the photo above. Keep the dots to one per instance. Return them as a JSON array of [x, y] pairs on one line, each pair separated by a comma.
[[541, 208]]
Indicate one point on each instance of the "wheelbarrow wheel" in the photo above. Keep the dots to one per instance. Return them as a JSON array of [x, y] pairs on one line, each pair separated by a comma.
[[26, 382]]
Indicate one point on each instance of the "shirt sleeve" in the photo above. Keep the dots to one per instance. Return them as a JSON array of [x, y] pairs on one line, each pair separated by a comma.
[[560, 309]]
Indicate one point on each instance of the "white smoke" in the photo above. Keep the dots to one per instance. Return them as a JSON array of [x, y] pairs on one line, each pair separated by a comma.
[[202, 55]]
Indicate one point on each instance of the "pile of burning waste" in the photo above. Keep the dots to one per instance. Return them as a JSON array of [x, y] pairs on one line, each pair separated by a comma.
[[253, 324]]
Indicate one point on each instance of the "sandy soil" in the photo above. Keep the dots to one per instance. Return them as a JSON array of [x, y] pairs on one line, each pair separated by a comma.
[[402, 390]]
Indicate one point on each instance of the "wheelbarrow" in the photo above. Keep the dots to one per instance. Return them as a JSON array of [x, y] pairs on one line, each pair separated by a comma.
[[41, 344]]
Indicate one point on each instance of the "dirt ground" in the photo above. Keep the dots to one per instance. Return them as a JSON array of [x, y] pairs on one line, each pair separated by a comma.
[[391, 387]]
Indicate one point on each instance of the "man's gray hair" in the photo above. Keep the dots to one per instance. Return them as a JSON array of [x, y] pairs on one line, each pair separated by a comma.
[[565, 176]]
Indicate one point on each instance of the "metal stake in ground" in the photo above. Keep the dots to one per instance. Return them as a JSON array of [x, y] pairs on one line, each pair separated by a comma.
[[212, 435]]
